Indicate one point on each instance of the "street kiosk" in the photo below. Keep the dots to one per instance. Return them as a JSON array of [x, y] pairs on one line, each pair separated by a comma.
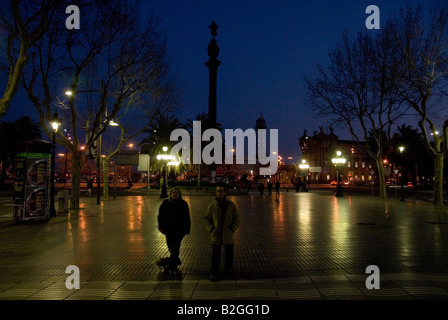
[[32, 180]]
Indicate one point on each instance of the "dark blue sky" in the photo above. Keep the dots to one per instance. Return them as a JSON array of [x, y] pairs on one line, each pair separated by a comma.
[[265, 48]]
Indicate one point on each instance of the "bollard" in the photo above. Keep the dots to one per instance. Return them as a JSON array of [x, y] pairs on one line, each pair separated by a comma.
[[62, 201]]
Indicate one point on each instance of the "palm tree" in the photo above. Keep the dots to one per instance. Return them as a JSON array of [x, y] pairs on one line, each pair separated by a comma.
[[159, 136], [206, 122], [26, 128]]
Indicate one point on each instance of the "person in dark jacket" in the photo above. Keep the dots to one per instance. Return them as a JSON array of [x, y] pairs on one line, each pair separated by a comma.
[[174, 222], [270, 187], [89, 187], [277, 189]]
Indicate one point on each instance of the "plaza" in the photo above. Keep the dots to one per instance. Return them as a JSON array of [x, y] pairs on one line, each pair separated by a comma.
[[298, 246]]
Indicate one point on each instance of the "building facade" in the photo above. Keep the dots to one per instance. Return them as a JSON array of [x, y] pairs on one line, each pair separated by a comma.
[[319, 150]]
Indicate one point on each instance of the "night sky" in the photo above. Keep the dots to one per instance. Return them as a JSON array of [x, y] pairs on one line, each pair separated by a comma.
[[265, 48]]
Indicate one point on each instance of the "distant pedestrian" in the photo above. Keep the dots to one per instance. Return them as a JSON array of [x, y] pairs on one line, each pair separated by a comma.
[[222, 219], [261, 188], [89, 187], [174, 222], [277, 188], [298, 185], [270, 187]]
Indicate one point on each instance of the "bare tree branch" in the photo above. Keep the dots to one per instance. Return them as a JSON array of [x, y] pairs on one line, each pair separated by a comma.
[[26, 23]]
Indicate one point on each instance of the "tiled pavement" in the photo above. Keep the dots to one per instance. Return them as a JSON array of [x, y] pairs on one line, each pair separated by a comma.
[[300, 246]]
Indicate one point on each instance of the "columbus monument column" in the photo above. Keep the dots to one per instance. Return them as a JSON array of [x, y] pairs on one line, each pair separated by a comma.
[[212, 65]]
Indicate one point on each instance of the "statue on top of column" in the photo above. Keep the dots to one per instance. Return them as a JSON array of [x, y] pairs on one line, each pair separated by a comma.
[[213, 27]]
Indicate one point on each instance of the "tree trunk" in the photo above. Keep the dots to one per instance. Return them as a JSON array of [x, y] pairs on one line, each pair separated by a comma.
[[105, 165], [14, 79], [381, 178], [438, 178], [76, 180]]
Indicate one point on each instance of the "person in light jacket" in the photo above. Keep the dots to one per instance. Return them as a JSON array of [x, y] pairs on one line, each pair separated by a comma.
[[221, 220]]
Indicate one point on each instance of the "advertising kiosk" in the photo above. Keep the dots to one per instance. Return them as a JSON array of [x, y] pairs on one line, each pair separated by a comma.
[[32, 180]]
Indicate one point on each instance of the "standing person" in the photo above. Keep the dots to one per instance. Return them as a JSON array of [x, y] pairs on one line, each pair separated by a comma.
[[277, 189], [221, 220], [89, 187], [261, 188], [174, 222], [270, 187]]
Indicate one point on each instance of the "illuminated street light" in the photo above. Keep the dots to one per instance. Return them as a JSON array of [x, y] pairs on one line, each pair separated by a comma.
[[338, 161], [70, 93]]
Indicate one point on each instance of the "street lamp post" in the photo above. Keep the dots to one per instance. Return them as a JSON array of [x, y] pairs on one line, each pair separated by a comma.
[[402, 177], [304, 166], [98, 155], [164, 157], [55, 123], [337, 162], [98, 171]]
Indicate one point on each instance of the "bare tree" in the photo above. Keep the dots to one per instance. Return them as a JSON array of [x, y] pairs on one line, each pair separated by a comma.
[[357, 90], [25, 23], [114, 63], [163, 100], [422, 43]]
